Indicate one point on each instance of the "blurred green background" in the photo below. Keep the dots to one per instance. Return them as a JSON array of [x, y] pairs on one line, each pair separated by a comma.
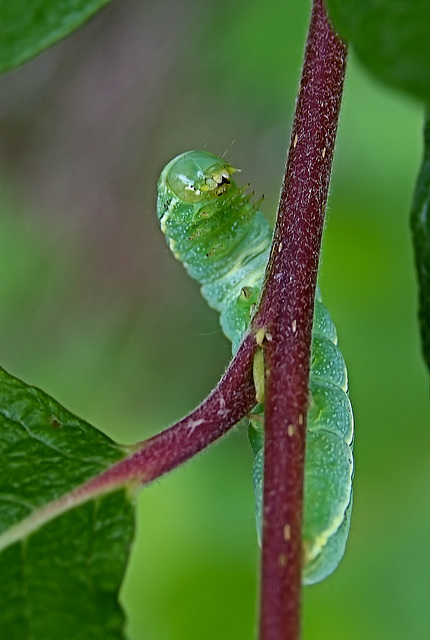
[[94, 309]]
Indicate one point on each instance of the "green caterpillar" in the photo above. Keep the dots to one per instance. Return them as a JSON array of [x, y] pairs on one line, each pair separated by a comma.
[[224, 242]]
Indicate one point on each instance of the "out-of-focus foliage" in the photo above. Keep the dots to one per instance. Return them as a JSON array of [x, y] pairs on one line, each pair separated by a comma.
[[27, 27], [95, 310], [390, 38], [420, 223]]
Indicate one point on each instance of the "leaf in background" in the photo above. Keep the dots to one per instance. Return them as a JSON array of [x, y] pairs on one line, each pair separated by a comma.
[[420, 225], [390, 38], [27, 27], [62, 554]]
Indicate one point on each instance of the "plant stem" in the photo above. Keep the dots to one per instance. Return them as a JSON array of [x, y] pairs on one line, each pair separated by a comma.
[[286, 314], [231, 400]]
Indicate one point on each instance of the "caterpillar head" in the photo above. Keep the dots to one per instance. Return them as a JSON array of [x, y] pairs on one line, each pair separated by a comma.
[[202, 212], [195, 176]]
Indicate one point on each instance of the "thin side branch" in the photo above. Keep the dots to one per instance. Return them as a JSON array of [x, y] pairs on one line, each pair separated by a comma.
[[229, 402]]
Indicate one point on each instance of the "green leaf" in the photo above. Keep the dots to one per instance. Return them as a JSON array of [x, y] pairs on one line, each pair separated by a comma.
[[63, 550], [27, 27], [391, 38], [420, 225]]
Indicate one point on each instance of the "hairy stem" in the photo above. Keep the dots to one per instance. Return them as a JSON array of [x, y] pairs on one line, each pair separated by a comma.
[[231, 400], [285, 317]]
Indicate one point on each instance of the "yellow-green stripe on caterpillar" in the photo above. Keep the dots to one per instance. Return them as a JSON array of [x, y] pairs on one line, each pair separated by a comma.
[[224, 241]]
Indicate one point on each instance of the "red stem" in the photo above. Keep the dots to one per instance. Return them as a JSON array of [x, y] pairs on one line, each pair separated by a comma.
[[231, 400], [286, 314]]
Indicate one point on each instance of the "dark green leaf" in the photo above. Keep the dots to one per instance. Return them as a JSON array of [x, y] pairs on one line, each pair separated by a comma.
[[62, 556], [420, 224], [27, 27], [391, 38]]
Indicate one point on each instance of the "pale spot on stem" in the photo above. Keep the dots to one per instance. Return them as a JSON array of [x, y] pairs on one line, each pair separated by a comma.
[[291, 430], [282, 559]]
